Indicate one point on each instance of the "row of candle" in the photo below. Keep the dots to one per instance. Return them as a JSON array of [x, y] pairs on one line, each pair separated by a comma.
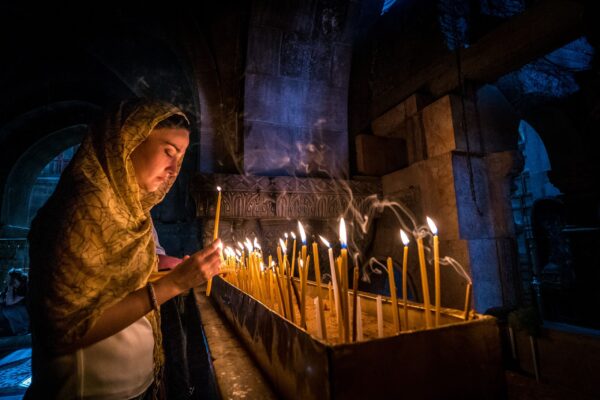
[[275, 283]]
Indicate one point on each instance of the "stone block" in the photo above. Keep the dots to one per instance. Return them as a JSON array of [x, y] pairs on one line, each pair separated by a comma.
[[342, 59], [276, 100], [498, 120], [485, 271], [434, 179], [326, 106], [376, 156], [293, 16], [443, 127], [295, 56], [474, 209], [320, 59], [390, 121], [268, 148], [264, 45]]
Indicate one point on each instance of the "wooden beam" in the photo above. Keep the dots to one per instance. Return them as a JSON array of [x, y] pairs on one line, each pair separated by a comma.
[[546, 26], [543, 28]]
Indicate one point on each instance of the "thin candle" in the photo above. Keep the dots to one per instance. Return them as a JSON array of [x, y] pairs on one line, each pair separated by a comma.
[[321, 320], [293, 254], [393, 296], [405, 241], [467, 301], [336, 284], [217, 214], [215, 233], [436, 270], [355, 314], [319, 316], [424, 282], [359, 323], [303, 274], [344, 274], [379, 317]]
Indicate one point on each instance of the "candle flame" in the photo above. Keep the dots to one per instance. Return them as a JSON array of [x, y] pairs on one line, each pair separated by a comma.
[[404, 238], [218, 188], [282, 246], [239, 253], [325, 241], [293, 235], [343, 238], [302, 233], [241, 246], [286, 235], [262, 267], [432, 226], [249, 246], [256, 245]]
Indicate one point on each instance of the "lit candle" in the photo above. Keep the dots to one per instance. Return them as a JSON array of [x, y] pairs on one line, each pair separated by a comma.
[[215, 233], [303, 273], [344, 276], [424, 283], [393, 296], [320, 321], [336, 285], [217, 214], [288, 289], [436, 269], [379, 317], [405, 241], [293, 255], [301, 268]]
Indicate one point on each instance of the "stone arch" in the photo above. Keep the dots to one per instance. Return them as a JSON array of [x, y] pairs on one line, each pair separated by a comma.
[[23, 175]]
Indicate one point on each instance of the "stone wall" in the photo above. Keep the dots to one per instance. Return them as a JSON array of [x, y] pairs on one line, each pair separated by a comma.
[[296, 87], [463, 188]]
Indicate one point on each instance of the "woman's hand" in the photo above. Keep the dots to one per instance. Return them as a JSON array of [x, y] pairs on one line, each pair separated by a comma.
[[197, 268]]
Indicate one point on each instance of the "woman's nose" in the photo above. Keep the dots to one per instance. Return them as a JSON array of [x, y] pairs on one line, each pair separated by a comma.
[[173, 165]]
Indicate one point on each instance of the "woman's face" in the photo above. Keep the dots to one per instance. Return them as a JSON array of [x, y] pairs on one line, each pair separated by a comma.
[[156, 159]]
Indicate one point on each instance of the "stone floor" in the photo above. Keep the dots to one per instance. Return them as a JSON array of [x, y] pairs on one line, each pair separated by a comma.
[[15, 373]]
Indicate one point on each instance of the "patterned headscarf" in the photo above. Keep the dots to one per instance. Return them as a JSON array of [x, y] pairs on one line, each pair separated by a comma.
[[91, 244]]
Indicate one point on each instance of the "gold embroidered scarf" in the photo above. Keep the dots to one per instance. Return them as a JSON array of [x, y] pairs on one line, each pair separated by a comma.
[[91, 244]]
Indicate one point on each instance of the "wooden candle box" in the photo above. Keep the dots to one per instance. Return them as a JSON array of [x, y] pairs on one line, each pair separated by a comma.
[[459, 360]]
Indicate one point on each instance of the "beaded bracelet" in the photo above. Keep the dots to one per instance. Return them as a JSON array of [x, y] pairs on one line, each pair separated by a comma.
[[152, 295]]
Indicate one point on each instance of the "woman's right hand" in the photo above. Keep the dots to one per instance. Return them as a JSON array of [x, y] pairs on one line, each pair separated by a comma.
[[197, 268]]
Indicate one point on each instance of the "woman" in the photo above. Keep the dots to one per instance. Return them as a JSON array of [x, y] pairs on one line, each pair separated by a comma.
[[94, 315], [12, 303]]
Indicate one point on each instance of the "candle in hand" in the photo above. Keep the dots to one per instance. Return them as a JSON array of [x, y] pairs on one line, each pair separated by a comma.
[[405, 241], [436, 269], [215, 233]]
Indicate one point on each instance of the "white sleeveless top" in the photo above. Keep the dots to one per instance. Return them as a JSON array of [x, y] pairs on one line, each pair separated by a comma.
[[118, 367]]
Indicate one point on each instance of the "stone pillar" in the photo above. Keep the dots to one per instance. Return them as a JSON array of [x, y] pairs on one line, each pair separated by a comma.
[[465, 192]]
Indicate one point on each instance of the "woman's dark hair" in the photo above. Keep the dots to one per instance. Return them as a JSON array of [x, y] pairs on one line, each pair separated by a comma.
[[173, 122]]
